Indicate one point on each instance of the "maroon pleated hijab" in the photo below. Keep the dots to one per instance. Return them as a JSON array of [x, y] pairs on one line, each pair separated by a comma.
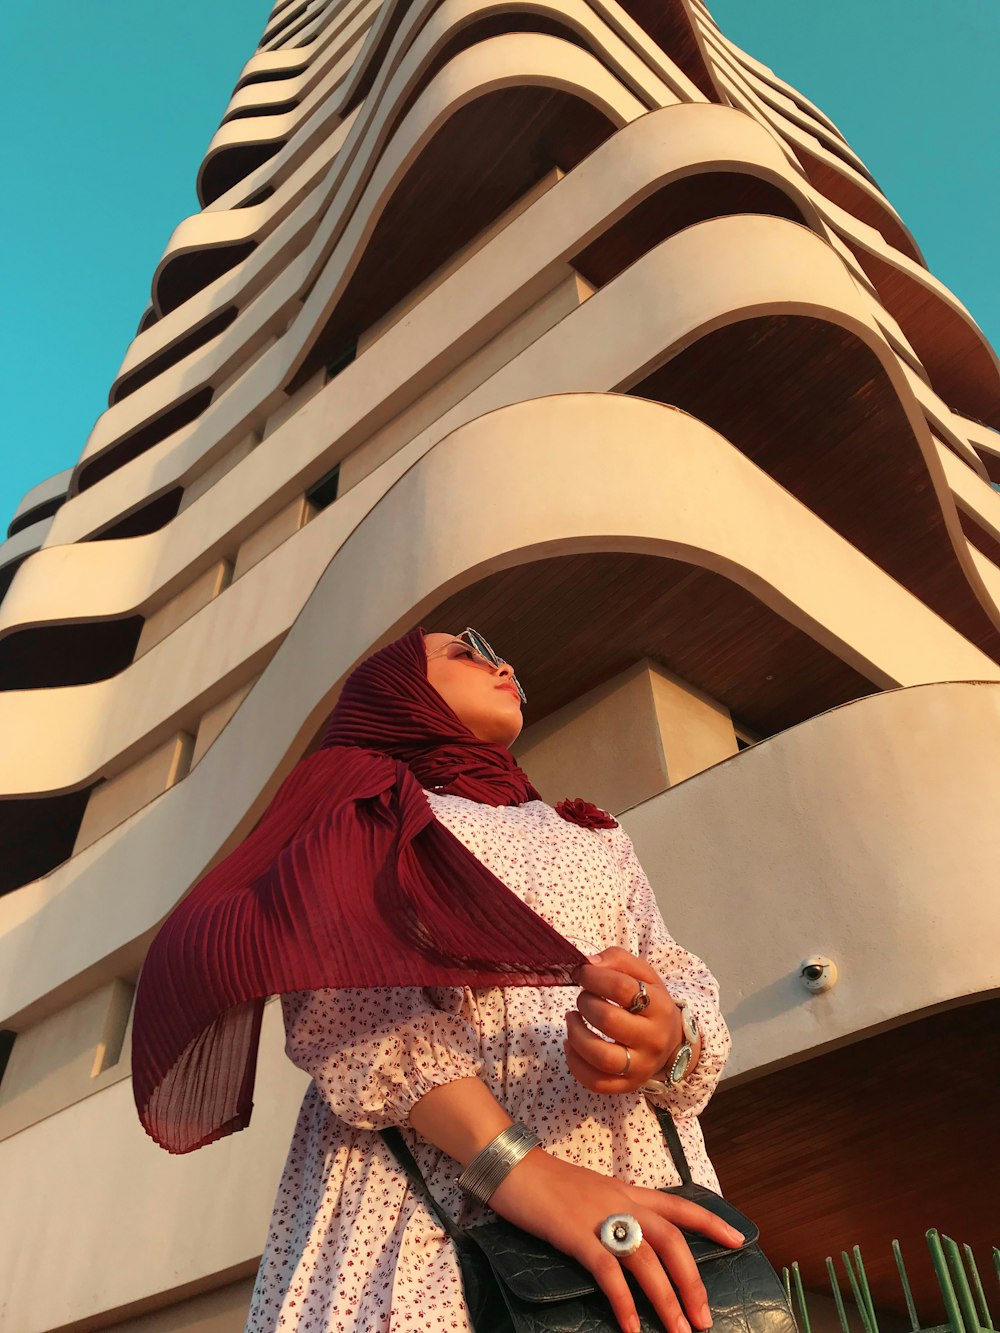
[[348, 880]]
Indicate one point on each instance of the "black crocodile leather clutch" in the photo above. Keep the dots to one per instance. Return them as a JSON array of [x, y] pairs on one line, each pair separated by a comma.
[[516, 1283], [527, 1286]]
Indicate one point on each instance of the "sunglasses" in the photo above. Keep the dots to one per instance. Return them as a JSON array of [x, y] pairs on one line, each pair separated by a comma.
[[482, 649]]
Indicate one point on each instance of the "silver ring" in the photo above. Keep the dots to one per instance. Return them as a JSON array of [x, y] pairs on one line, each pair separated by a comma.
[[621, 1234], [641, 1000], [628, 1060]]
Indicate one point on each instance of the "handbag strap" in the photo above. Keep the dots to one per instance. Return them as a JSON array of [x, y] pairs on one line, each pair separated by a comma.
[[398, 1147], [674, 1145]]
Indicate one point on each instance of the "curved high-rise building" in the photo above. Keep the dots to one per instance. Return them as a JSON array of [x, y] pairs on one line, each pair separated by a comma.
[[573, 322]]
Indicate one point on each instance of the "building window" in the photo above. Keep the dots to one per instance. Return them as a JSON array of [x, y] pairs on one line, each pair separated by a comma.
[[6, 1046], [325, 491], [341, 360]]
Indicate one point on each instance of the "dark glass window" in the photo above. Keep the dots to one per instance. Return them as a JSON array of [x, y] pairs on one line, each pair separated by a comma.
[[325, 491]]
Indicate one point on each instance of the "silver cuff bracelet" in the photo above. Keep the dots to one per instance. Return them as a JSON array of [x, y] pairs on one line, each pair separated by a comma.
[[482, 1177]]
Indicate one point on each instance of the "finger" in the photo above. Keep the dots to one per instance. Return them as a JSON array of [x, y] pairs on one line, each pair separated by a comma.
[[623, 961], [611, 983], [608, 1057], [607, 1273], [691, 1216], [611, 1019], [644, 1030], [590, 1077], [648, 1270], [676, 1263]]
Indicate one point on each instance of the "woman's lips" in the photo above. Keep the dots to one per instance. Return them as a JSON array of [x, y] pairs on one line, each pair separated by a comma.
[[512, 689]]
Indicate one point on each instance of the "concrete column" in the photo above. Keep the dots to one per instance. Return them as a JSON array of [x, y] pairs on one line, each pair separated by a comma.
[[113, 801], [217, 470], [180, 608], [215, 719], [627, 740], [271, 534], [65, 1057]]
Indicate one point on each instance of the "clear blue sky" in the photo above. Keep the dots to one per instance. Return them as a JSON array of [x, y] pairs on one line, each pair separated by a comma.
[[109, 105]]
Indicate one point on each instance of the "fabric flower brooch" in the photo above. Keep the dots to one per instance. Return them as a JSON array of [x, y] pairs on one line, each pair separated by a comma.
[[585, 814]]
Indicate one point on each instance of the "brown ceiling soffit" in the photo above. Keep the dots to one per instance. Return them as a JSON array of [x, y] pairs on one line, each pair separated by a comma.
[[570, 623], [856, 1146], [855, 199], [812, 405], [961, 364]]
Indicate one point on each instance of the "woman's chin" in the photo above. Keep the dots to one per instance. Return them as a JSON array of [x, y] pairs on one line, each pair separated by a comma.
[[513, 721], [499, 730]]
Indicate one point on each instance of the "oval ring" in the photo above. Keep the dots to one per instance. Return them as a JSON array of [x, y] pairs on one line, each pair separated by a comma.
[[621, 1234], [641, 1000], [628, 1060]]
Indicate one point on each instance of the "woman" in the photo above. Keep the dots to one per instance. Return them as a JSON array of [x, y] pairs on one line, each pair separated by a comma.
[[350, 1247]]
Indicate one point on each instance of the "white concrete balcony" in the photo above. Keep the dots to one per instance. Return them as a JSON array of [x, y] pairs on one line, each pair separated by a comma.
[[867, 834]]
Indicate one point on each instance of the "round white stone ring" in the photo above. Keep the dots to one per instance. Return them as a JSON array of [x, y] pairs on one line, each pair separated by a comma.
[[621, 1234]]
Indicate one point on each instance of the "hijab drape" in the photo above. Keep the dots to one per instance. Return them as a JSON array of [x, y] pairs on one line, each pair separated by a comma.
[[348, 880]]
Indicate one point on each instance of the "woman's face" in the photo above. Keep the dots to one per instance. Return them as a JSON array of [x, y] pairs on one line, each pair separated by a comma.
[[480, 694]]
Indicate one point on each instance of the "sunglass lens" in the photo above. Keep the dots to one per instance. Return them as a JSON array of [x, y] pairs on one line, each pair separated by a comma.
[[479, 645]]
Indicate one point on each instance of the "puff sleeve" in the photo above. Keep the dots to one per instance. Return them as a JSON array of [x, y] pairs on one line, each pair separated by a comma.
[[373, 1053]]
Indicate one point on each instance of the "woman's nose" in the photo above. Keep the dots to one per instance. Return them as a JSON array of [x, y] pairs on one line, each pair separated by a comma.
[[505, 669]]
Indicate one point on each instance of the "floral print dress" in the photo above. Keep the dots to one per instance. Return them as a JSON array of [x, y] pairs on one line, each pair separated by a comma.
[[350, 1246]]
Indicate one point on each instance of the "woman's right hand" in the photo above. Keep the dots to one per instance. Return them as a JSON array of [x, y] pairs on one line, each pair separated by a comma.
[[565, 1205]]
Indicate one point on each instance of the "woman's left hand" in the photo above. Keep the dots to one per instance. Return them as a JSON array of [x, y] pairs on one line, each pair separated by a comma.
[[609, 985]]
